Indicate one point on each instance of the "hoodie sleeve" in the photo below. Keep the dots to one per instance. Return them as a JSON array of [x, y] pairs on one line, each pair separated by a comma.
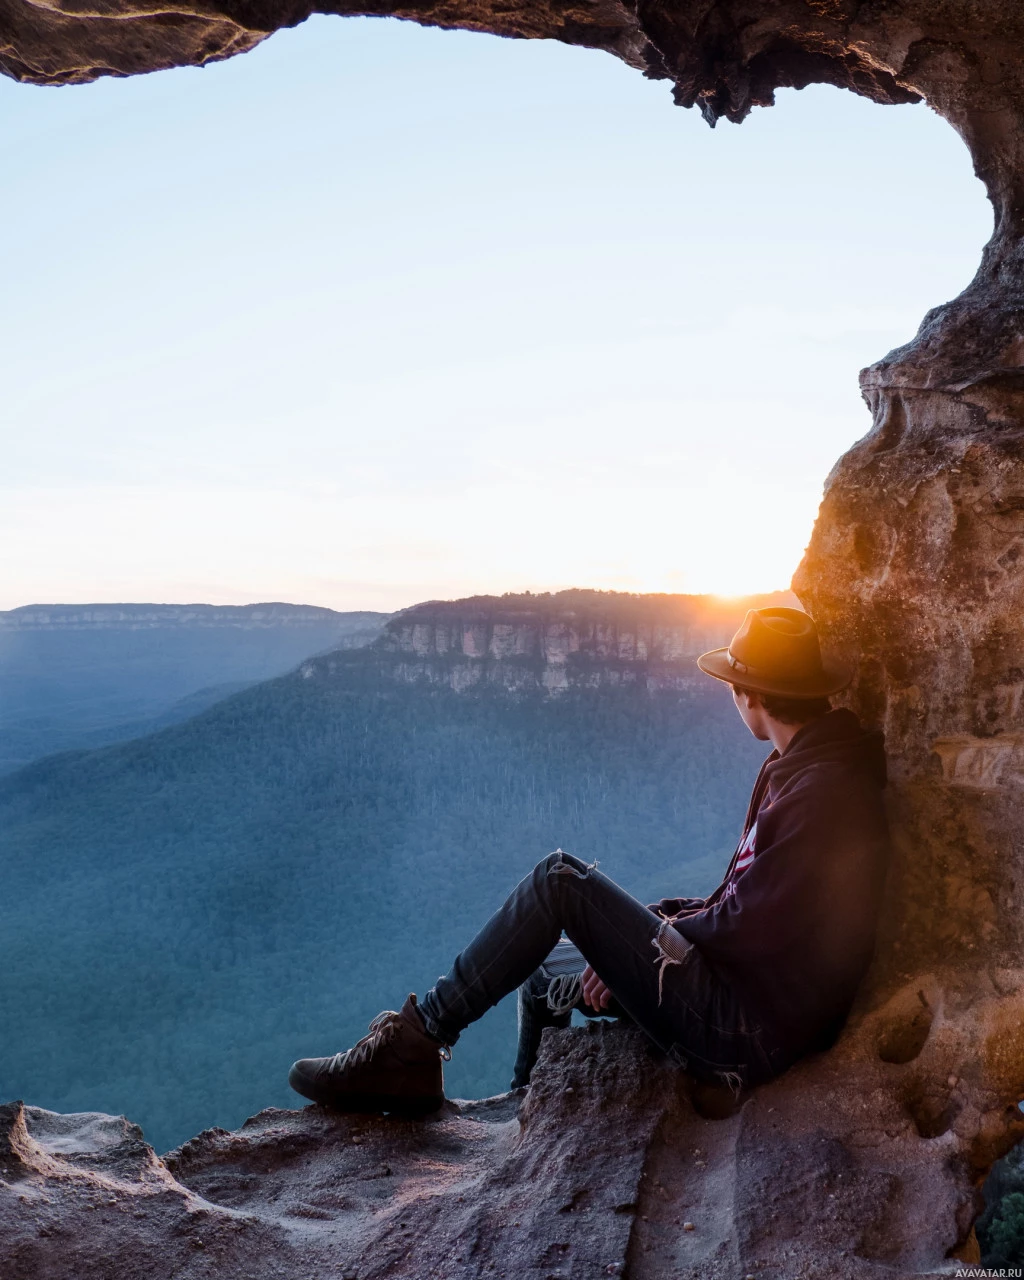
[[676, 906]]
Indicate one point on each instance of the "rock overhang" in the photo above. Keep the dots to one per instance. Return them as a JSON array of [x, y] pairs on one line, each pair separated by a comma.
[[724, 57]]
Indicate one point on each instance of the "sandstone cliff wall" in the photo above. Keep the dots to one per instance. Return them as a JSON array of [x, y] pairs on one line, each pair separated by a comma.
[[553, 643]]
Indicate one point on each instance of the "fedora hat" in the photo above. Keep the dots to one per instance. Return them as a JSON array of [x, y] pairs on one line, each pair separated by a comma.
[[776, 651]]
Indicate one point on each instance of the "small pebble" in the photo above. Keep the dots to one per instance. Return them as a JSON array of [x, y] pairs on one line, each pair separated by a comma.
[[568, 1089], [951, 1082], [688, 1226]]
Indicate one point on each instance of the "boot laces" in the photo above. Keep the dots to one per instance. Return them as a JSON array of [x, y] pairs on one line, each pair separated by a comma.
[[564, 992], [382, 1031]]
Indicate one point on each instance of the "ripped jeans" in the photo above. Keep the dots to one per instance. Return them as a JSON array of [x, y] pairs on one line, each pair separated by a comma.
[[656, 977]]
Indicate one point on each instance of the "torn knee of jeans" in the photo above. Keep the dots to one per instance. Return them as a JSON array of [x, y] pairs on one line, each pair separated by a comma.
[[670, 947], [563, 868]]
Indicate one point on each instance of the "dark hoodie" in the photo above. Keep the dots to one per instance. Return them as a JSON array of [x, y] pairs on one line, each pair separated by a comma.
[[793, 930]]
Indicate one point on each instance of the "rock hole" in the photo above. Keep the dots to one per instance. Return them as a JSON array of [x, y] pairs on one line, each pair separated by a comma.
[[903, 1038], [865, 547], [715, 1102], [933, 1113]]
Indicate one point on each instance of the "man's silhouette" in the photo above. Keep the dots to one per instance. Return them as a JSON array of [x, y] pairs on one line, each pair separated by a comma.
[[734, 987]]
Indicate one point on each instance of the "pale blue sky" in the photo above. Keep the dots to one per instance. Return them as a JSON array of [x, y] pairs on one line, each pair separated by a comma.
[[377, 313]]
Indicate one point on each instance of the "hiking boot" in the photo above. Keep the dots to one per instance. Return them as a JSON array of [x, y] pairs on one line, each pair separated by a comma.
[[397, 1067]]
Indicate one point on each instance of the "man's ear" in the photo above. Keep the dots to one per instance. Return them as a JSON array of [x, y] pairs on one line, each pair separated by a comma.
[[750, 700]]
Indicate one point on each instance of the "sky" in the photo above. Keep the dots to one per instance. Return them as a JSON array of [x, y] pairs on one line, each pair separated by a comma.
[[376, 314]]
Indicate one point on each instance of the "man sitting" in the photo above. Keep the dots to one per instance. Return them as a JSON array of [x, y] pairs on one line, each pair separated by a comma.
[[735, 987]]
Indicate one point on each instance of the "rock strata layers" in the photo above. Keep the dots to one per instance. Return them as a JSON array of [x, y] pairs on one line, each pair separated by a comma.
[[552, 643]]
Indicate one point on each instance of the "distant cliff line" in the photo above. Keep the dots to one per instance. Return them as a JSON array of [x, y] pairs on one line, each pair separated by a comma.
[[103, 617], [556, 641]]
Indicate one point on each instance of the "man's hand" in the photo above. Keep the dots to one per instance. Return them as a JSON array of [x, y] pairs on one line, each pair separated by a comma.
[[595, 993]]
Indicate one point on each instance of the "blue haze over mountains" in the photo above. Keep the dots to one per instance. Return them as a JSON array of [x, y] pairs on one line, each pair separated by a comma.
[[187, 911], [85, 675]]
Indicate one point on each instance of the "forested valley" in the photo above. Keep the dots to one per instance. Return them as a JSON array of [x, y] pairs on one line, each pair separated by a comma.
[[185, 914]]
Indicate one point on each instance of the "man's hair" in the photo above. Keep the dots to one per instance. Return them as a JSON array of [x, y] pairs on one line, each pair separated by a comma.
[[789, 710]]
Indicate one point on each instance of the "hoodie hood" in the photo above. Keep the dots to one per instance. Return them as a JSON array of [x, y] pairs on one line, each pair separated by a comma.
[[834, 738]]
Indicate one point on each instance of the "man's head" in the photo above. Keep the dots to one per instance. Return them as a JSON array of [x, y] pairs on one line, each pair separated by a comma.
[[757, 709], [773, 664]]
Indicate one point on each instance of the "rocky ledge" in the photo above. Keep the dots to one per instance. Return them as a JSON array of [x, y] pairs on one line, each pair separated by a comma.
[[613, 1163]]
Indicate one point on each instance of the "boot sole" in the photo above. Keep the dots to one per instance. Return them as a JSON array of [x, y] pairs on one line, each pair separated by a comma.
[[395, 1103]]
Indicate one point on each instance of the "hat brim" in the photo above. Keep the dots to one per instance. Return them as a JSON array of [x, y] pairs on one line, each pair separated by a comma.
[[716, 663]]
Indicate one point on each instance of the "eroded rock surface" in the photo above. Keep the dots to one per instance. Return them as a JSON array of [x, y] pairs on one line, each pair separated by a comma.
[[836, 1169], [914, 571]]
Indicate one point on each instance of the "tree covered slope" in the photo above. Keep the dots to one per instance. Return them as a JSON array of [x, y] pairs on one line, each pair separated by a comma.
[[186, 913]]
